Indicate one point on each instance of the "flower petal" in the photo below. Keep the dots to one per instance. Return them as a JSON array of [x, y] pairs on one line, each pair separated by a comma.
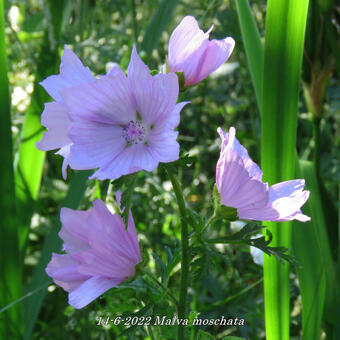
[[133, 158], [234, 183], [65, 151], [216, 53], [163, 145], [90, 290], [231, 141], [285, 201], [55, 118], [158, 101], [74, 229], [106, 100], [95, 144], [187, 45], [72, 73], [64, 273]]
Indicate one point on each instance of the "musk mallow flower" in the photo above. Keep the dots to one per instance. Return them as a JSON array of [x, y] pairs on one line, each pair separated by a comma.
[[55, 115], [191, 51], [99, 253], [240, 186], [122, 124]]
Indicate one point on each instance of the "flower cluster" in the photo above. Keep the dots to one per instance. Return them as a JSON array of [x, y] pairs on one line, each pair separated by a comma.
[[122, 123]]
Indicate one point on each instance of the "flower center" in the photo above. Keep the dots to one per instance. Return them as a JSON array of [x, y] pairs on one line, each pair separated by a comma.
[[134, 132]]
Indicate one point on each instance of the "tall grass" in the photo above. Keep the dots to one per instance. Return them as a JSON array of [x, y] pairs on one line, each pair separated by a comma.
[[284, 41], [11, 326]]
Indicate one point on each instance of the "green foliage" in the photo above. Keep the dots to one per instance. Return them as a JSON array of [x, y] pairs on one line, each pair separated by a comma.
[[10, 264], [284, 41], [158, 24]]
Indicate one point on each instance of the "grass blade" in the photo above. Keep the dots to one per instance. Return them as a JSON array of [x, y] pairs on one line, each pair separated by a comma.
[[157, 25], [253, 46], [311, 249], [284, 40], [52, 243], [10, 266]]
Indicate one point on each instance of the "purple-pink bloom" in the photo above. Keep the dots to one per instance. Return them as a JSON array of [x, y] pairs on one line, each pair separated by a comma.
[[55, 115], [191, 51], [100, 253], [239, 183], [122, 124]]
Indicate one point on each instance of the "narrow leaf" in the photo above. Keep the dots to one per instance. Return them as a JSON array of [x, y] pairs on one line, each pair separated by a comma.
[[253, 46], [284, 41], [10, 266], [158, 24]]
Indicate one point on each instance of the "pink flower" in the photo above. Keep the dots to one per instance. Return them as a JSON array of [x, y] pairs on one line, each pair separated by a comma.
[[239, 183], [55, 115], [191, 51], [100, 253], [122, 124]]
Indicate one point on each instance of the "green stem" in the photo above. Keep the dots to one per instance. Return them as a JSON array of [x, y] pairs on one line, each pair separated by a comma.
[[210, 220], [185, 251], [316, 128]]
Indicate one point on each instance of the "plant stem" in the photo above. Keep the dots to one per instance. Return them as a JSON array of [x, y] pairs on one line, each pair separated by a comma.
[[316, 126], [210, 220], [181, 309]]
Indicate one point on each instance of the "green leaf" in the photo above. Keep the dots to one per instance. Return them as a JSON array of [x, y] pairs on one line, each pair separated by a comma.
[[161, 265], [307, 247], [284, 41], [126, 185], [232, 338], [204, 336], [253, 46], [11, 326], [319, 282], [158, 24]]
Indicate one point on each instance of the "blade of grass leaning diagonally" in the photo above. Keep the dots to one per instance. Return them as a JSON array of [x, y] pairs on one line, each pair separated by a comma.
[[284, 41], [253, 47], [10, 266], [158, 24], [52, 243]]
